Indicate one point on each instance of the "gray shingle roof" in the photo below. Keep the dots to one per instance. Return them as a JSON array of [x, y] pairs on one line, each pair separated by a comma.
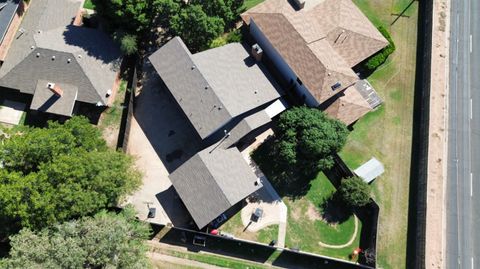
[[46, 101], [213, 86], [85, 58], [6, 15], [212, 181]]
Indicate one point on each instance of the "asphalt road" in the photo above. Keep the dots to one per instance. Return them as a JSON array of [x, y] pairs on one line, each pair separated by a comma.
[[463, 185]]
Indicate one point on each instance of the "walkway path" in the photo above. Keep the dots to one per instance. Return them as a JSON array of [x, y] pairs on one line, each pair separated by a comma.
[[346, 244], [274, 209]]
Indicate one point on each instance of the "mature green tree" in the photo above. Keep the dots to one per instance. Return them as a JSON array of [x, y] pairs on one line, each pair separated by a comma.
[[228, 10], [307, 138], [354, 192], [133, 16], [106, 240], [58, 173], [195, 27], [26, 149]]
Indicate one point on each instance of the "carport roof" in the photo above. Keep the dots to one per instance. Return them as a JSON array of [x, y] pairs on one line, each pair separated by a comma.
[[212, 181], [213, 86]]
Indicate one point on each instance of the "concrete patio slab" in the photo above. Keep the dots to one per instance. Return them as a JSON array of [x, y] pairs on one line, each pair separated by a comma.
[[11, 112]]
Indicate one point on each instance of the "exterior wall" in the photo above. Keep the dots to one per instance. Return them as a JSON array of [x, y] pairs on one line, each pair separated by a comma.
[[281, 65]]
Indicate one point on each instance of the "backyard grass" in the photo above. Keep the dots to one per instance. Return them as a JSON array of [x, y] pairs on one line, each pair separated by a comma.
[[306, 226], [111, 119], [235, 227], [387, 132], [88, 4], [248, 4]]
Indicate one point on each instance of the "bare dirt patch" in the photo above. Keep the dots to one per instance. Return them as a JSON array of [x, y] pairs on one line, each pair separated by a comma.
[[312, 213]]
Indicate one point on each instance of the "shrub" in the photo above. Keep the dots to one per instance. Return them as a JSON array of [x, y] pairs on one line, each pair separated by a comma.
[[354, 192], [128, 44], [380, 57]]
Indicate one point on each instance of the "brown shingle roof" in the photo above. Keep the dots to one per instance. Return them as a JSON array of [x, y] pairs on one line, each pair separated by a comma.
[[335, 32], [349, 107]]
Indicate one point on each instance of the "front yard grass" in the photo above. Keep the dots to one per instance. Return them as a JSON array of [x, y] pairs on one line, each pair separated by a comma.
[[387, 132], [216, 260]]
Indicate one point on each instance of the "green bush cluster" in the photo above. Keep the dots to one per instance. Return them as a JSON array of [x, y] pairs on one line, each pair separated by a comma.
[[378, 59]]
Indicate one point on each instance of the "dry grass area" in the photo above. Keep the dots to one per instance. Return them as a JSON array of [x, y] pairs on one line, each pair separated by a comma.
[[387, 133]]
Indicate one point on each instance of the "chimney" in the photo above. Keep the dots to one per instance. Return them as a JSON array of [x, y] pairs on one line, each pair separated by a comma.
[[300, 3], [257, 52], [55, 89]]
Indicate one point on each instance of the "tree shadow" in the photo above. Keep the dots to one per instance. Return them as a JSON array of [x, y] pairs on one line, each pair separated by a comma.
[[288, 181], [334, 210]]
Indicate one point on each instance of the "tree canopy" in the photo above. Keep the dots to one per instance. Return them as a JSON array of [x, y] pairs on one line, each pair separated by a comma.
[[354, 192], [58, 173], [195, 27], [307, 138], [107, 240]]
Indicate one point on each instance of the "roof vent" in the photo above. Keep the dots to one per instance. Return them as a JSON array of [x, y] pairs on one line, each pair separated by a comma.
[[109, 92], [99, 103], [336, 86], [255, 91], [79, 56], [39, 31], [38, 54], [69, 60], [53, 58], [32, 47], [193, 67], [257, 52]]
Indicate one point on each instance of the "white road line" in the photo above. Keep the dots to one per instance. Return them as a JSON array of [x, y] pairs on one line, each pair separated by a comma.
[[471, 184], [471, 44], [471, 108], [472, 262]]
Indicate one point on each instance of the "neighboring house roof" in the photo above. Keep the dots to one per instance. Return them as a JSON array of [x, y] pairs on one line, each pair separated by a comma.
[[46, 101], [213, 86], [320, 42], [50, 48], [212, 181], [370, 170], [349, 106], [7, 12]]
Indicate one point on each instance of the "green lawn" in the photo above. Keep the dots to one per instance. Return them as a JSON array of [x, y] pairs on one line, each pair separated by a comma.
[[235, 226], [216, 260], [248, 4], [386, 133], [88, 4], [113, 115]]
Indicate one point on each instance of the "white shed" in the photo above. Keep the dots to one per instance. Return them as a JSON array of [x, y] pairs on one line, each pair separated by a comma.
[[370, 170]]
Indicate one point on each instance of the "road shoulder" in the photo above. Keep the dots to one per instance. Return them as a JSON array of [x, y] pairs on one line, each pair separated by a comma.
[[438, 136]]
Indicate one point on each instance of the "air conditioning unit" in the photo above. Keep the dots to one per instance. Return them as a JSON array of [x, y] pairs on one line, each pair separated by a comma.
[[257, 52]]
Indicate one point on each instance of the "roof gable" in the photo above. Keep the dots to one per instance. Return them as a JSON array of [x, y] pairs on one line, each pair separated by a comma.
[[214, 86]]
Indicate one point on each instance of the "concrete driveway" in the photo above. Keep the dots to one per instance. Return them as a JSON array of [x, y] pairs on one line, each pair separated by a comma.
[[161, 139], [11, 112]]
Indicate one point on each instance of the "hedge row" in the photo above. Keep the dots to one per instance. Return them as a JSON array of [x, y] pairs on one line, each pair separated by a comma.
[[381, 56]]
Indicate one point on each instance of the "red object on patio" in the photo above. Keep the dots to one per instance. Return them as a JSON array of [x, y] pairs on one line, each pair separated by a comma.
[[214, 232]]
